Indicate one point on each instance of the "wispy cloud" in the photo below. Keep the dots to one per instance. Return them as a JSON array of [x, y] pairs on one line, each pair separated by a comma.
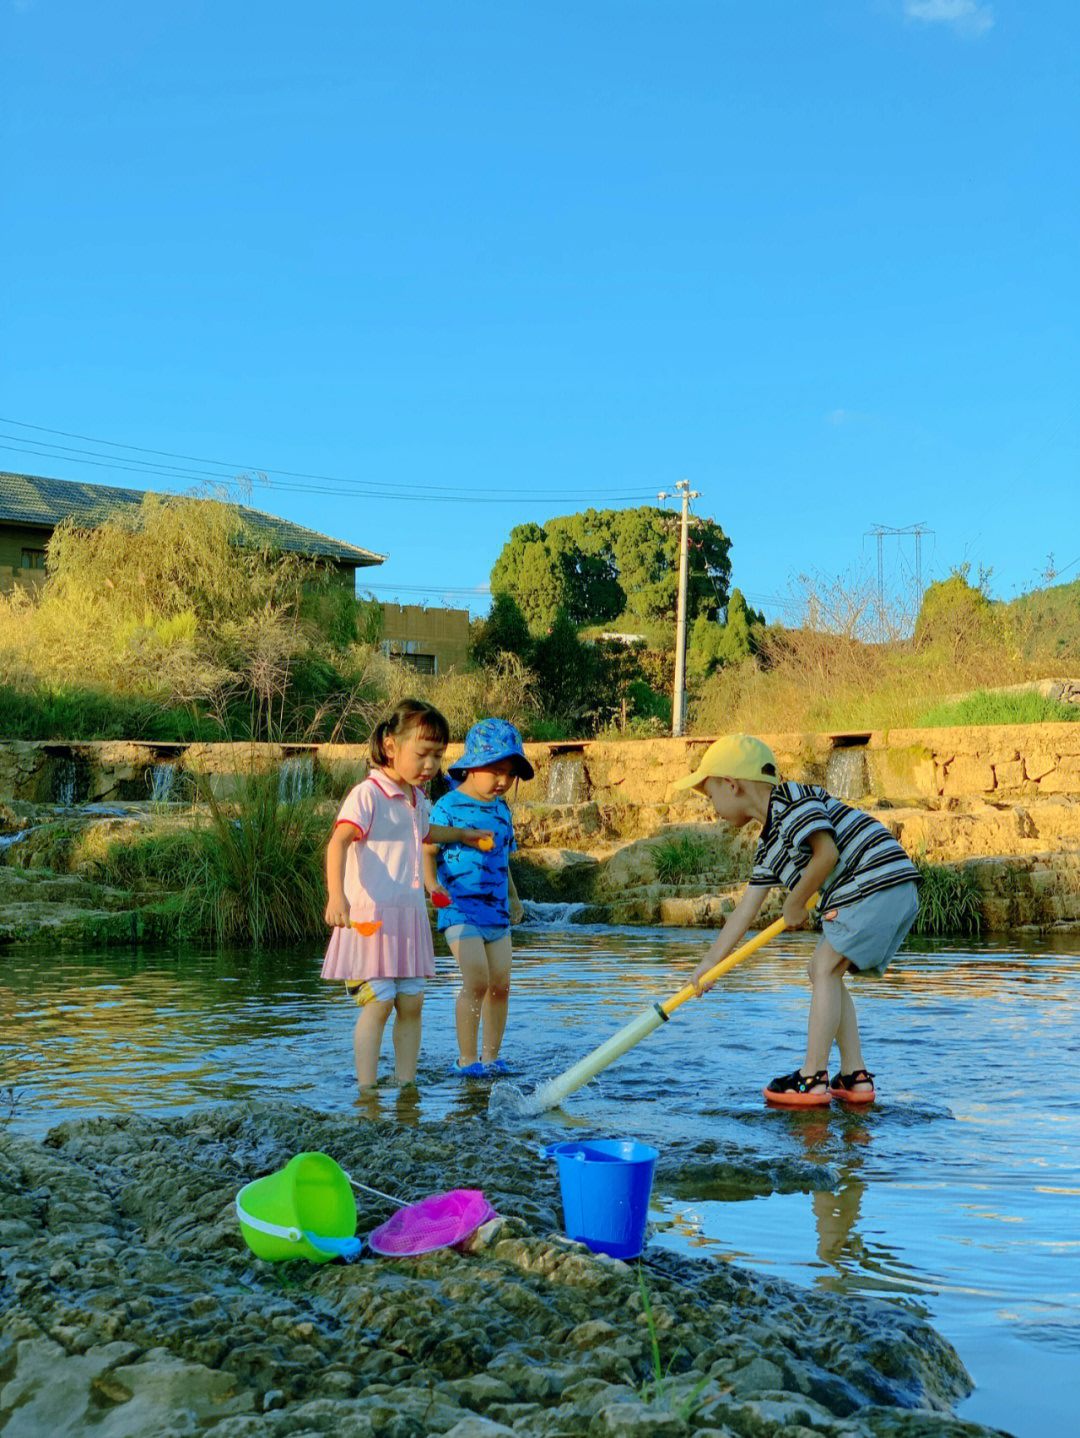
[[846, 416], [967, 17]]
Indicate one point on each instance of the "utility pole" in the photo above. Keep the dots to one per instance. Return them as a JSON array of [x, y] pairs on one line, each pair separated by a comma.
[[678, 698]]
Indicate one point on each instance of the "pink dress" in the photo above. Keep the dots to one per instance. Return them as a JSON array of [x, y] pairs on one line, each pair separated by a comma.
[[384, 884]]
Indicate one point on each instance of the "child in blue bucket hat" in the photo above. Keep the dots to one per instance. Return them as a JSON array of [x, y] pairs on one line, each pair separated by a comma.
[[483, 902]]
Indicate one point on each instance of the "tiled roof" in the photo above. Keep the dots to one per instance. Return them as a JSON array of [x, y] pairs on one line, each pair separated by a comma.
[[30, 499]]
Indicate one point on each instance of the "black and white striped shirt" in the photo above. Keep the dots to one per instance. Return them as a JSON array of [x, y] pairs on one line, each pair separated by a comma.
[[870, 858]]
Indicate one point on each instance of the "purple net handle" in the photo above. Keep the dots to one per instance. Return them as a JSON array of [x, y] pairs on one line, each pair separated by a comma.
[[401, 1203]]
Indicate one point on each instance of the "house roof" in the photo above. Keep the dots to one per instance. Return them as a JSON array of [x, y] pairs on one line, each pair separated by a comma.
[[33, 500]]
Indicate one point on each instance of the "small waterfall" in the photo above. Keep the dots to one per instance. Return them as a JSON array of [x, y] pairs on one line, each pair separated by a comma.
[[7, 840], [551, 916], [296, 779], [162, 783], [65, 782], [846, 774], [566, 780]]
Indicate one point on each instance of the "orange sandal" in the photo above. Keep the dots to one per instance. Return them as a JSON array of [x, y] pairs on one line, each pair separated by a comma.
[[799, 1090], [842, 1087]]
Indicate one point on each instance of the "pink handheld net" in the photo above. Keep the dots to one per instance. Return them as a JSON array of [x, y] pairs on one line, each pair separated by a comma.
[[436, 1222]]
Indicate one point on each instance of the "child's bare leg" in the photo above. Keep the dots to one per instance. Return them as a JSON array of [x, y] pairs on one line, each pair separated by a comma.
[[407, 1036], [826, 970], [497, 998], [832, 1016], [367, 1039], [471, 955], [847, 1038]]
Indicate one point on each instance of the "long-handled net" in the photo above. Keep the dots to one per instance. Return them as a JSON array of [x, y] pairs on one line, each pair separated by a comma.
[[552, 1093]]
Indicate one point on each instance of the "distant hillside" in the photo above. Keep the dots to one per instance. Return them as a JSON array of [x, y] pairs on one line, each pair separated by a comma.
[[1050, 618]]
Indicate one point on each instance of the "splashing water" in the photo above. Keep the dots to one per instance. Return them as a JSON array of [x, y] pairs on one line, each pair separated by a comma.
[[508, 1101]]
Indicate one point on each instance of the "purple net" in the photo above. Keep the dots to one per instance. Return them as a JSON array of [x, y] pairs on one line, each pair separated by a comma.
[[437, 1222]]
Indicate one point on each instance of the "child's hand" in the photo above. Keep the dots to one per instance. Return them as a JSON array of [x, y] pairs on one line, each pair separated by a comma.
[[337, 914], [482, 839], [517, 910], [796, 914], [696, 976], [439, 897]]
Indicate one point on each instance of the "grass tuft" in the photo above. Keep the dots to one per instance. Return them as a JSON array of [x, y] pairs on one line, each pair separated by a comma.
[[257, 869], [986, 707], [682, 856], [950, 900]]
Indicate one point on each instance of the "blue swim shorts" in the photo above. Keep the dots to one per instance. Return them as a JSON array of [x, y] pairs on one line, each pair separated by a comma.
[[869, 932], [453, 932]]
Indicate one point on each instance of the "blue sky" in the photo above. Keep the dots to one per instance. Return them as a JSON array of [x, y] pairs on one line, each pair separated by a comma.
[[475, 264]]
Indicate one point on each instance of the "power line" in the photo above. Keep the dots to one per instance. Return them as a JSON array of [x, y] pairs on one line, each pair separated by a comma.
[[228, 470], [390, 587]]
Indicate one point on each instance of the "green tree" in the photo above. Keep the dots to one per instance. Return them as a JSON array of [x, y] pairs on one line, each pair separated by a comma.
[[566, 671], [714, 645], [957, 616], [504, 630], [602, 564], [532, 575]]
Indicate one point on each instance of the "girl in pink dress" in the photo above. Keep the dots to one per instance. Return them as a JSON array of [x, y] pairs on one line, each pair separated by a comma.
[[381, 945]]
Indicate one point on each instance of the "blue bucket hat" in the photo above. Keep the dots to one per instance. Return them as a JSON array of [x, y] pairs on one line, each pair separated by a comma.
[[488, 742]]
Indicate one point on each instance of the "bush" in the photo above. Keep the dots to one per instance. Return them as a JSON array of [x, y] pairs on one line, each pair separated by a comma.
[[549, 731], [257, 869], [950, 900]]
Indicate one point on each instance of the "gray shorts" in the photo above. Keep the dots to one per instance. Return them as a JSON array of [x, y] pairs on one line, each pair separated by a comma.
[[453, 932], [869, 932]]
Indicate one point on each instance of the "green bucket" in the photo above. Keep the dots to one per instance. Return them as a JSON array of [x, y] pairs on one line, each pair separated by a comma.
[[311, 1194]]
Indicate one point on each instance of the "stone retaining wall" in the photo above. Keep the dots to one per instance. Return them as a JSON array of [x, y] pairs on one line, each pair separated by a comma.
[[1017, 761]]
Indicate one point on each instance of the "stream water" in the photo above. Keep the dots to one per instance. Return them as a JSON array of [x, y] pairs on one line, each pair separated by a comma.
[[957, 1193]]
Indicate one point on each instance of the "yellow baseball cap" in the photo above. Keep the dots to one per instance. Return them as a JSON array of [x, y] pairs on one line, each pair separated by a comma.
[[736, 756]]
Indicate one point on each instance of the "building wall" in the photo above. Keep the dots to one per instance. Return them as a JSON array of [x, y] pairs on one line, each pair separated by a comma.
[[432, 640], [14, 538]]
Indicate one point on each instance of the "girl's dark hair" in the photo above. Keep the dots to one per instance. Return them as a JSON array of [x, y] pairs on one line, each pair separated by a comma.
[[410, 714]]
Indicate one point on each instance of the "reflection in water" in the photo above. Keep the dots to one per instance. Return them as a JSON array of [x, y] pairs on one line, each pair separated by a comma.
[[956, 1192]]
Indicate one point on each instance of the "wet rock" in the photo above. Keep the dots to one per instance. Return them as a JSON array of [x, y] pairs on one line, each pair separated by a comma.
[[476, 1427], [635, 1420], [48, 1392], [479, 1390], [757, 1376], [129, 1304]]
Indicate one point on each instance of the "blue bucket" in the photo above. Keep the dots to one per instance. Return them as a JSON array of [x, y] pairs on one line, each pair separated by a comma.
[[605, 1193]]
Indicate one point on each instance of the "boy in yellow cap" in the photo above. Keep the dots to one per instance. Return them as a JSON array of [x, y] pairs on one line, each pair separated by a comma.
[[811, 841]]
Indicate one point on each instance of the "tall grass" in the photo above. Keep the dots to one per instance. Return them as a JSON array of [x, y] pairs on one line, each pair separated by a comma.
[[818, 682], [987, 707], [950, 900], [166, 860], [256, 873], [44, 712], [505, 689], [842, 665]]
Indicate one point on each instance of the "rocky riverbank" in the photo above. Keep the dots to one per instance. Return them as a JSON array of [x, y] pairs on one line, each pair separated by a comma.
[[130, 1305], [1025, 859]]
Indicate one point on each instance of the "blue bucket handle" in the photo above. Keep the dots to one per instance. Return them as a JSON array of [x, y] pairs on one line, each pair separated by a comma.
[[552, 1150]]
